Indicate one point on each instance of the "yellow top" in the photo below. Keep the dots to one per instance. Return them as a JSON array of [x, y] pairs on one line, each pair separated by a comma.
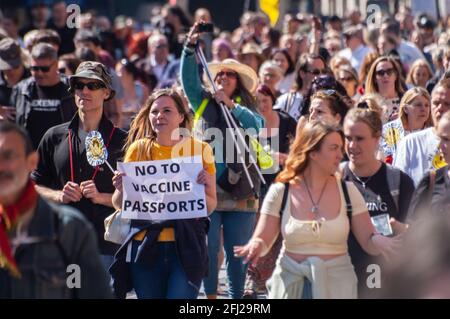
[[314, 237], [145, 150]]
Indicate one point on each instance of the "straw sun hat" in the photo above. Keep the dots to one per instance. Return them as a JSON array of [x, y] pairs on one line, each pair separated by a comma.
[[247, 76]]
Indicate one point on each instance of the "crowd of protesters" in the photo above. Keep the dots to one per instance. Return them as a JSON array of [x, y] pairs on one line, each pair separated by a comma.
[[353, 116]]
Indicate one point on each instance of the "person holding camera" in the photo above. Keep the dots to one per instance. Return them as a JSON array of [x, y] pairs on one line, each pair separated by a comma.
[[386, 190], [237, 205]]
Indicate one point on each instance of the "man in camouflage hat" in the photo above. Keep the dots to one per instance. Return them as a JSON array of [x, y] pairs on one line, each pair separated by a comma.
[[95, 71], [64, 174]]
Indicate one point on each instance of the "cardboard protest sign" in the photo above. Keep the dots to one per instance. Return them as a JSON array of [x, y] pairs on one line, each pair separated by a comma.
[[163, 190]]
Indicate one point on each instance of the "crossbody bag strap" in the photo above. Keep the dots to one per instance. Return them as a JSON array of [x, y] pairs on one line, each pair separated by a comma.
[[348, 202]]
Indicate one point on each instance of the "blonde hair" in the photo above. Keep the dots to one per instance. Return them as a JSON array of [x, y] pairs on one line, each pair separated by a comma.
[[308, 140], [409, 97], [371, 81], [141, 128], [367, 116], [417, 64]]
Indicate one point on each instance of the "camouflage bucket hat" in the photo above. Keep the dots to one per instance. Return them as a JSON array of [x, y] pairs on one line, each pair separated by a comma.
[[95, 71]]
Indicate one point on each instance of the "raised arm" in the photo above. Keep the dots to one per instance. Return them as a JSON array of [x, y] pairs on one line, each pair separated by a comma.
[[190, 78]]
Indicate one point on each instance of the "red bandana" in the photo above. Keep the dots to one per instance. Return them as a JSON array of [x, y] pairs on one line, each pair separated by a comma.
[[9, 216]]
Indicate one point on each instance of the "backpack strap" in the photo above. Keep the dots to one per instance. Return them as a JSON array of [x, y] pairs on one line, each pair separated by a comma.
[[284, 199], [348, 202], [393, 178]]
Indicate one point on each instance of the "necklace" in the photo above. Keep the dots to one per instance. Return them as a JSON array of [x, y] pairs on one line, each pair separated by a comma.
[[360, 180], [315, 208]]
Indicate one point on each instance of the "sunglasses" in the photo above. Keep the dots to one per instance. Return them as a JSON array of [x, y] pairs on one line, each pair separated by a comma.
[[62, 70], [229, 74], [92, 86], [316, 71], [43, 69], [381, 73]]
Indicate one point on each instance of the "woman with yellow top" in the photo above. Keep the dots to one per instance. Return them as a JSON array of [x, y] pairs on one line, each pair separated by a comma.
[[164, 259], [315, 223]]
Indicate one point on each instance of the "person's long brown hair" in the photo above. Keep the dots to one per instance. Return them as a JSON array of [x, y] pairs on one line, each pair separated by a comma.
[[141, 128], [371, 82], [308, 140]]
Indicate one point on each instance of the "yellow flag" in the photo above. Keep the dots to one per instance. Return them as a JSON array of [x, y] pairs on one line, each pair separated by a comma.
[[272, 9]]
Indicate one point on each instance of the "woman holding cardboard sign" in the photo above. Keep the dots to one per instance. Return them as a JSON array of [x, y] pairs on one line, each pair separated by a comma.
[[164, 259]]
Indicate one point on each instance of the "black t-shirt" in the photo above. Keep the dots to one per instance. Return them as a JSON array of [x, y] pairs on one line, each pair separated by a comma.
[[285, 136], [54, 169], [440, 197], [379, 201], [45, 109]]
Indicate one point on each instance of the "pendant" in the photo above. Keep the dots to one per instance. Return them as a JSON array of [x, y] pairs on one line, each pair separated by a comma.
[[314, 210], [364, 185]]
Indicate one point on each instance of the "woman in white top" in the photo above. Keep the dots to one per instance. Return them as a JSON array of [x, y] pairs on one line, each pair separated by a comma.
[[414, 115], [314, 260]]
